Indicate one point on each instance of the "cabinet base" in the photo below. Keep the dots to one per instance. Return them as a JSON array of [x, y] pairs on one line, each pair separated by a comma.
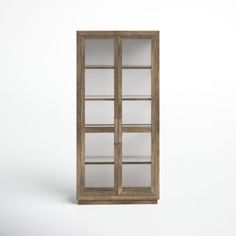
[[101, 202]]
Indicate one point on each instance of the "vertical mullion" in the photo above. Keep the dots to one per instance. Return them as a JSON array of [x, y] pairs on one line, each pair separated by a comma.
[[80, 115], [120, 112], [155, 115], [116, 118], [117, 92]]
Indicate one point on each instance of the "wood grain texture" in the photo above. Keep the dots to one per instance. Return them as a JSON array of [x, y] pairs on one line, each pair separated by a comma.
[[126, 159], [136, 128], [82, 114], [118, 113], [99, 128], [99, 196], [124, 98], [123, 67], [122, 34], [155, 114], [113, 162], [99, 67], [101, 202], [118, 194], [136, 67], [80, 109]]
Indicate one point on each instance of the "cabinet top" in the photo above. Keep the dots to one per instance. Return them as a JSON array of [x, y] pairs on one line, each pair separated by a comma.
[[118, 33]]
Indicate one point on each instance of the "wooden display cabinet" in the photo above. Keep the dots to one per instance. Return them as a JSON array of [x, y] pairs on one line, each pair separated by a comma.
[[117, 117]]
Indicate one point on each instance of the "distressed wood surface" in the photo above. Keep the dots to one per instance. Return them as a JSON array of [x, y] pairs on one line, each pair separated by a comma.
[[137, 196], [80, 115], [122, 34], [118, 114], [138, 128], [96, 128], [124, 98], [113, 162], [155, 114], [101, 202]]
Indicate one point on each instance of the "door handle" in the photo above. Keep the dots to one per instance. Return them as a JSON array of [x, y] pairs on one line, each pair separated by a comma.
[[118, 131]]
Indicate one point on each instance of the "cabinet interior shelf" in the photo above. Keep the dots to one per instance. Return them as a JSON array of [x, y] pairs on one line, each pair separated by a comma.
[[124, 97], [126, 190], [109, 128], [109, 160], [123, 67]]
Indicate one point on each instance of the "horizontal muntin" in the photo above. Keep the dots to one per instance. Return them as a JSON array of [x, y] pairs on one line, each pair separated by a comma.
[[109, 128], [124, 98], [109, 160], [122, 67]]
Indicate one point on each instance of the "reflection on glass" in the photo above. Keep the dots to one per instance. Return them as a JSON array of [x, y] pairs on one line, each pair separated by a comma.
[[136, 144], [99, 144], [99, 82], [99, 176], [136, 112], [99, 112], [136, 175], [99, 52], [136, 52], [136, 82]]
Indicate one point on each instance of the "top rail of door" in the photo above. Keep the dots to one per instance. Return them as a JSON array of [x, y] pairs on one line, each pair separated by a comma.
[[123, 34]]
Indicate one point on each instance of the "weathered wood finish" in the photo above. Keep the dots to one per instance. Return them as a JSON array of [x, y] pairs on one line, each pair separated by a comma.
[[100, 202], [118, 117], [99, 196], [138, 128], [112, 67], [113, 34], [111, 98], [80, 115], [113, 162], [118, 194], [99, 128], [110, 128], [155, 114]]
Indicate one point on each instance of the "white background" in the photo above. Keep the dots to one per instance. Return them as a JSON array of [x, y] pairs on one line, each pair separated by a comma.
[[38, 117]]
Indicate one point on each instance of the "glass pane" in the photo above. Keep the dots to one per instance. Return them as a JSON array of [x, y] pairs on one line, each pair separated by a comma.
[[99, 112], [136, 145], [136, 82], [136, 175], [99, 52], [136, 52], [99, 144], [99, 175], [136, 112], [99, 82]]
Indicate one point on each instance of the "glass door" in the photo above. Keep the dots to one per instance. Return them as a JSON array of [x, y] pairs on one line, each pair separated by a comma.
[[136, 116], [99, 115]]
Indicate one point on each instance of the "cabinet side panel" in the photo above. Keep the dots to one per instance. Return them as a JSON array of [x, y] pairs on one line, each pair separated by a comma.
[[80, 116], [155, 114]]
